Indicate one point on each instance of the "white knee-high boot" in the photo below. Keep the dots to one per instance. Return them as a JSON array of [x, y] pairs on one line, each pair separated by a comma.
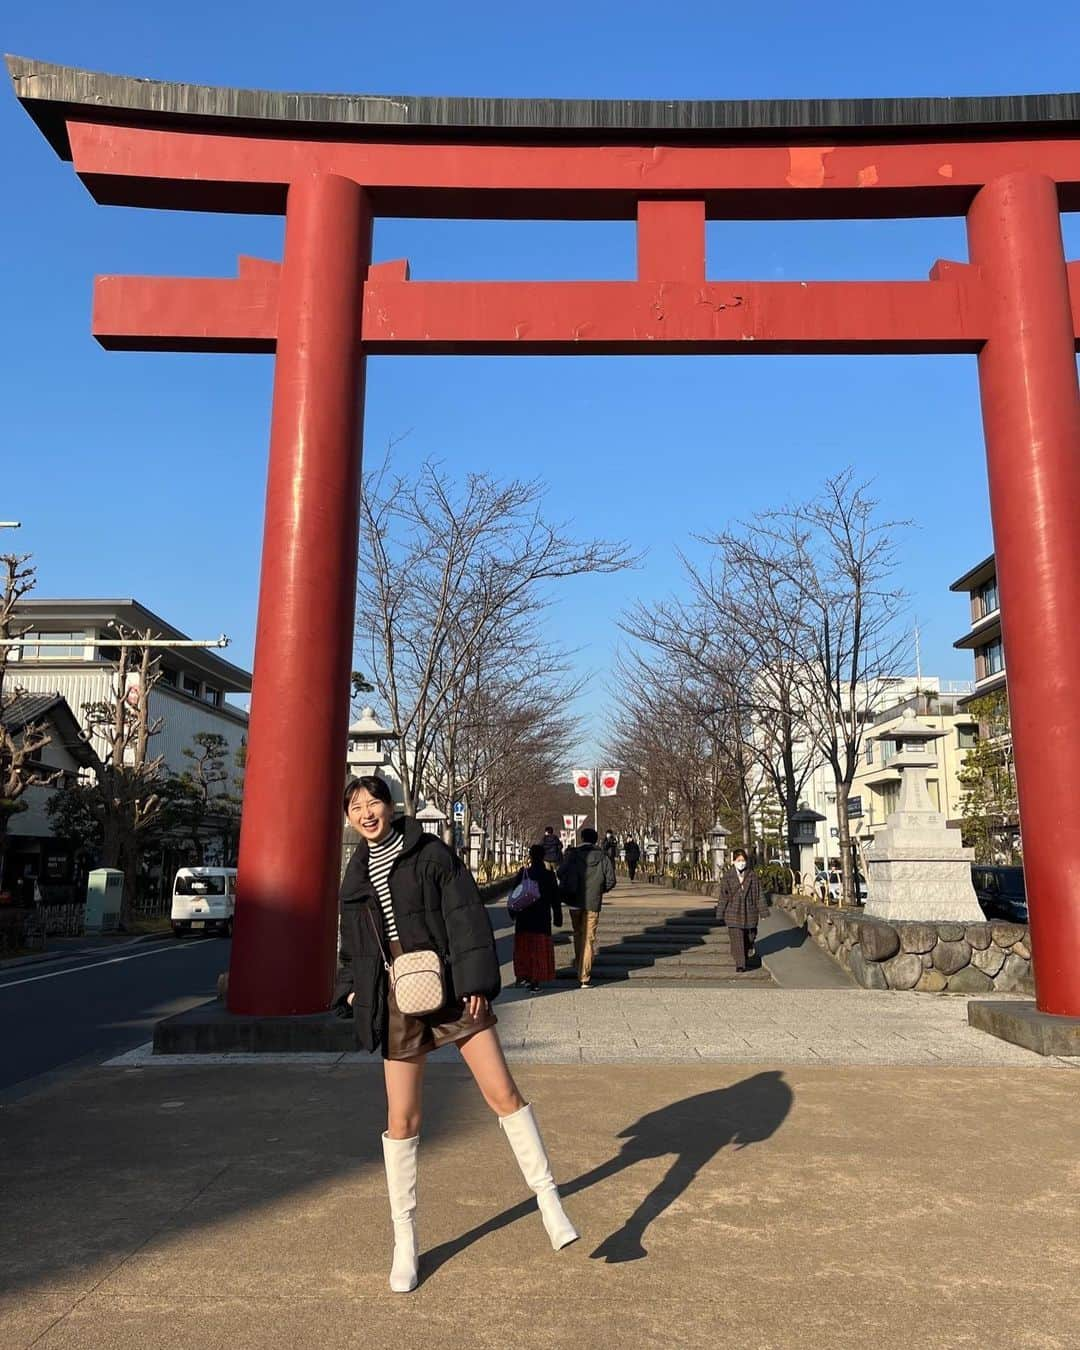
[[399, 1155], [520, 1129]]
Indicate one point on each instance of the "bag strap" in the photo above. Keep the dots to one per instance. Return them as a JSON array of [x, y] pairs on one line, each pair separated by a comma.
[[378, 939]]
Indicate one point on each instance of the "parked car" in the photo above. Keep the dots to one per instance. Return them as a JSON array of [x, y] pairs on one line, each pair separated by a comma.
[[204, 898], [832, 883], [1000, 892]]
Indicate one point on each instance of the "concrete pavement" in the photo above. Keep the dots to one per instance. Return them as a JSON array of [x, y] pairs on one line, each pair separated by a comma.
[[808, 1167], [196, 1207]]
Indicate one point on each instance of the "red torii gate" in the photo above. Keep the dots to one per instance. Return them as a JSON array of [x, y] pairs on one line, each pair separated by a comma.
[[330, 164]]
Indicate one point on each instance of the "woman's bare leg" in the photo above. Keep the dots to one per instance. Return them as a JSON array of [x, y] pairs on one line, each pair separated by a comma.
[[404, 1096], [483, 1053]]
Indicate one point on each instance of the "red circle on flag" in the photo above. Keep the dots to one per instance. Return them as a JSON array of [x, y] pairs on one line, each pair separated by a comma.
[[583, 781], [609, 781]]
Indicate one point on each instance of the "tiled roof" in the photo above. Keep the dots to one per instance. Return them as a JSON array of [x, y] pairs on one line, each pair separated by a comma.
[[27, 708]]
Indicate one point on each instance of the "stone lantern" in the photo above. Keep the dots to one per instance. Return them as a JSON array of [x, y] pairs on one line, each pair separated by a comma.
[[431, 820], [366, 754], [652, 851], [718, 847], [803, 826], [916, 866], [476, 846], [675, 849]]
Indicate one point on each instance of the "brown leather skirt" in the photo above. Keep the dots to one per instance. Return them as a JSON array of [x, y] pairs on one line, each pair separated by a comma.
[[408, 1036]]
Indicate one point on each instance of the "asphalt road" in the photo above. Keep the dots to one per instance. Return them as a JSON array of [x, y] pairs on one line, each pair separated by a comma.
[[57, 1016]]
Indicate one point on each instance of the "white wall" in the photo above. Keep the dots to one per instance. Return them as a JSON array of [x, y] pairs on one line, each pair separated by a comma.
[[183, 716]]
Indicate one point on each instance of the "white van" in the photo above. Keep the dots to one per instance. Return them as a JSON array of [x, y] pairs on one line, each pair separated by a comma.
[[204, 898]]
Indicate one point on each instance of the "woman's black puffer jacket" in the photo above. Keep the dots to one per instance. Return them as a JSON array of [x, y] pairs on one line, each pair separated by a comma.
[[436, 908]]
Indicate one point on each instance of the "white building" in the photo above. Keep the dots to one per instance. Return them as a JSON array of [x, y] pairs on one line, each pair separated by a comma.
[[191, 696]]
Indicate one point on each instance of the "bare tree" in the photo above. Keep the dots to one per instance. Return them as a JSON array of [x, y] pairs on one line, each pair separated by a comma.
[[452, 583], [125, 798], [833, 560], [761, 612], [22, 739]]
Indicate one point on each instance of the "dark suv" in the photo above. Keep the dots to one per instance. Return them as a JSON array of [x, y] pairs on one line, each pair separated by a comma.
[[1000, 892]]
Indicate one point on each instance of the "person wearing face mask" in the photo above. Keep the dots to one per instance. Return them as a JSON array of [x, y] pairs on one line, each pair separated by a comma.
[[740, 906]]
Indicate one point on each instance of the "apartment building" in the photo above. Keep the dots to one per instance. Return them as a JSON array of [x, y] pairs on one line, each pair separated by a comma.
[[875, 790], [983, 638]]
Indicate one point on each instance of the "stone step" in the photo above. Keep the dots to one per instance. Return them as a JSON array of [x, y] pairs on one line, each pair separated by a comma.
[[704, 975], [612, 959], [664, 938], [667, 950]]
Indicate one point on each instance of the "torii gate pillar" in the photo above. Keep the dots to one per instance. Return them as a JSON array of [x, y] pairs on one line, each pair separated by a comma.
[[285, 937], [1031, 416]]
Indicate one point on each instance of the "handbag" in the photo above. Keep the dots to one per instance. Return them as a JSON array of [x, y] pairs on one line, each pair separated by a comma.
[[416, 978], [524, 894]]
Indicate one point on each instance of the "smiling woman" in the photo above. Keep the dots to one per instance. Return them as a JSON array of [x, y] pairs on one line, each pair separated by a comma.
[[405, 893]]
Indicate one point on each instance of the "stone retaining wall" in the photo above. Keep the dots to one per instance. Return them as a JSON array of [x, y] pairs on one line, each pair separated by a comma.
[[932, 958]]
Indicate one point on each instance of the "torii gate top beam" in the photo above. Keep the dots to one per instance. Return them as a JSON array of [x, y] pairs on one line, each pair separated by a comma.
[[141, 142]]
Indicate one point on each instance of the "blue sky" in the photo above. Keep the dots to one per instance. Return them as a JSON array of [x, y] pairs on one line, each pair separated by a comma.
[[144, 474]]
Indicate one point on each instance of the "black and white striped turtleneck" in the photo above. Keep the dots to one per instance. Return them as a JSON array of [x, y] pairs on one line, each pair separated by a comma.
[[381, 858]]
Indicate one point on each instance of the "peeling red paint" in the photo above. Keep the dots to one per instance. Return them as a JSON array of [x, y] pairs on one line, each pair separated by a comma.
[[946, 171], [806, 165], [867, 177]]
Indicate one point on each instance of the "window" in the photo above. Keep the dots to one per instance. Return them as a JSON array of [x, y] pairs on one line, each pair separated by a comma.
[[68, 644], [212, 696], [888, 749], [990, 660], [191, 686], [987, 597], [868, 752], [967, 737], [199, 886], [168, 676]]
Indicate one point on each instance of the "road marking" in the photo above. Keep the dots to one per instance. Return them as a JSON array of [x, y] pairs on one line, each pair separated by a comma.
[[112, 961]]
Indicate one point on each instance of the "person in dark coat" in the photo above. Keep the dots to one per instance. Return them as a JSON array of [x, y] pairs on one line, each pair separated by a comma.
[[405, 891], [586, 876], [534, 952], [632, 854], [553, 849], [611, 847], [740, 906]]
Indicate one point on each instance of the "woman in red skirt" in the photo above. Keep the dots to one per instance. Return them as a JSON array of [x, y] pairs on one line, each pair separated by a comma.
[[534, 952]]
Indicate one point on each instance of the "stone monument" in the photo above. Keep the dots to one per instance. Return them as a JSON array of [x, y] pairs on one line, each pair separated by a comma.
[[917, 869]]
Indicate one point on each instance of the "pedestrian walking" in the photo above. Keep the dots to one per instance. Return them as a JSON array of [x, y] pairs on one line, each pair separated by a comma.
[[406, 895], [632, 854], [534, 951], [586, 876], [611, 847], [740, 906], [553, 849]]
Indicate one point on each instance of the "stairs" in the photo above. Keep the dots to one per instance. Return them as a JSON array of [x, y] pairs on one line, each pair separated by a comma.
[[661, 946]]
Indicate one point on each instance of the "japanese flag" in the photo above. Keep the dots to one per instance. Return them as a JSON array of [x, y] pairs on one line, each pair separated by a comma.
[[609, 782], [568, 822], [583, 784]]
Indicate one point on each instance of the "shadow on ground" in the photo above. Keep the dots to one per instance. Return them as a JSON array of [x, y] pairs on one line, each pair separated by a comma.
[[694, 1130]]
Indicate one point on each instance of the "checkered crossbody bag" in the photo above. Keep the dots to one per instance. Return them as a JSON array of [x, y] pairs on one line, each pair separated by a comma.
[[416, 978]]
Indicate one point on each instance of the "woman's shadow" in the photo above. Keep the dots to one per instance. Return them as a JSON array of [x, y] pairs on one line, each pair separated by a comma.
[[694, 1130]]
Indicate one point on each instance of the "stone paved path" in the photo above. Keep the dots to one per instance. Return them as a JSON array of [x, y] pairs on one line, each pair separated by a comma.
[[620, 1025]]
